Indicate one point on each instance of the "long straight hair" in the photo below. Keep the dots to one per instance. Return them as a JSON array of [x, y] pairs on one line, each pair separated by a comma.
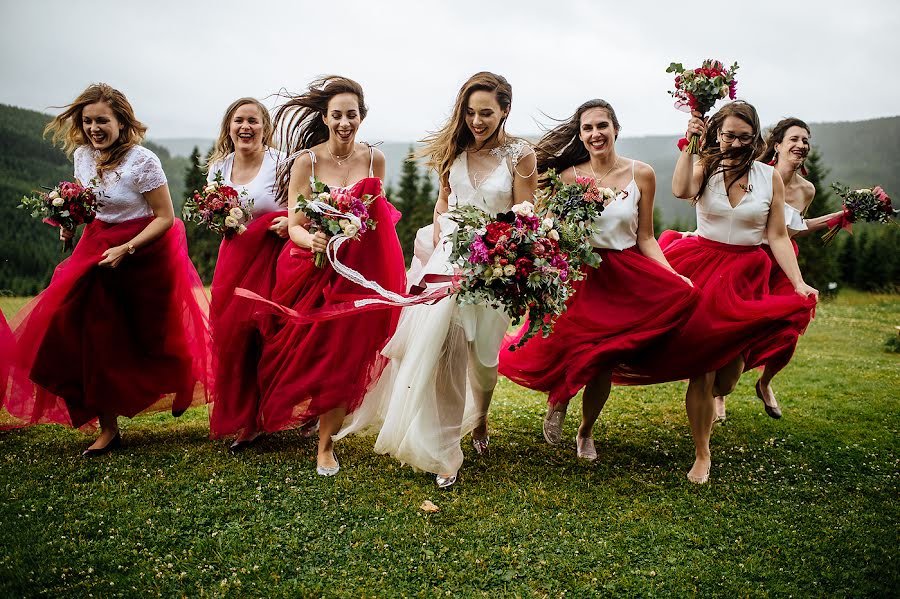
[[300, 121], [443, 146], [66, 129], [561, 146], [224, 144], [742, 158]]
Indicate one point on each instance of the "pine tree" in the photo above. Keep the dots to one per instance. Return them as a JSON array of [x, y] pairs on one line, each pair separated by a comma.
[[203, 244], [405, 198], [818, 262]]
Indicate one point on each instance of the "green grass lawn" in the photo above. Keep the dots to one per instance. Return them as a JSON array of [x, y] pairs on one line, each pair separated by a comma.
[[804, 506]]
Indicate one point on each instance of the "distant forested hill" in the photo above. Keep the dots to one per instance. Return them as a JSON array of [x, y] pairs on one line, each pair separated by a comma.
[[29, 249], [856, 153]]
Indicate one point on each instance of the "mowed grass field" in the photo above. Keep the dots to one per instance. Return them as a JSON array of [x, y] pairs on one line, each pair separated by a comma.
[[803, 506]]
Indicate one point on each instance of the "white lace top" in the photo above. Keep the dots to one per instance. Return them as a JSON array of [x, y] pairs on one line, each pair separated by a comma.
[[120, 192], [745, 224], [616, 228], [262, 188], [495, 194]]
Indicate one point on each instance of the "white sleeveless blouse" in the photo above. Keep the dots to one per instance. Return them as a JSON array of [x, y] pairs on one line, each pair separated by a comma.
[[745, 224], [616, 228]]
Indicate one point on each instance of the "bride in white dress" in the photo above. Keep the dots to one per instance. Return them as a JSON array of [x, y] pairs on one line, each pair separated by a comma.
[[444, 356]]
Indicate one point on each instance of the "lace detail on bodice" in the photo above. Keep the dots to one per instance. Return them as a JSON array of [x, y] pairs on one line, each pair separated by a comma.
[[514, 150], [120, 191]]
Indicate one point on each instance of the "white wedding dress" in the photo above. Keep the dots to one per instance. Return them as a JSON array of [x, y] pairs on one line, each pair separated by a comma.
[[424, 404]]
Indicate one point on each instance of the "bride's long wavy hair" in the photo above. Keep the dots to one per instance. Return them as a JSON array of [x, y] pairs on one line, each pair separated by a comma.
[[300, 122], [561, 147], [66, 128], [741, 158], [443, 146]]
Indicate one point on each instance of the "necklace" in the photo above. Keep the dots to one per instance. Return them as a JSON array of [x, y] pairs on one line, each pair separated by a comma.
[[598, 179], [340, 160]]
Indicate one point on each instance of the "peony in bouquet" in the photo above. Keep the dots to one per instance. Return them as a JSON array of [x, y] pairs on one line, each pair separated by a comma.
[[860, 205], [513, 262], [219, 208], [576, 205], [699, 89], [67, 205], [336, 212]]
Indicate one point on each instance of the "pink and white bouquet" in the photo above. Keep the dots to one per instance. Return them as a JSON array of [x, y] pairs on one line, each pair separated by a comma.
[[576, 206], [219, 207], [336, 212], [513, 262], [67, 205], [860, 205], [700, 88]]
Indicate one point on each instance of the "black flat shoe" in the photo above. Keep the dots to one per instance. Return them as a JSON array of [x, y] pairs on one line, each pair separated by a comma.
[[116, 443], [772, 411]]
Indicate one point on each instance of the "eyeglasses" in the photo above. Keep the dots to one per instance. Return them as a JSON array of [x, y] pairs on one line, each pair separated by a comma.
[[729, 137]]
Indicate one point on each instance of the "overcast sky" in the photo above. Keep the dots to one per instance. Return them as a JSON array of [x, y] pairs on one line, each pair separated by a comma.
[[182, 62]]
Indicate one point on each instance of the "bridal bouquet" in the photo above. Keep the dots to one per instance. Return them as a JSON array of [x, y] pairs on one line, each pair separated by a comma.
[[699, 89], [67, 205], [219, 208], [513, 262], [336, 212], [860, 205]]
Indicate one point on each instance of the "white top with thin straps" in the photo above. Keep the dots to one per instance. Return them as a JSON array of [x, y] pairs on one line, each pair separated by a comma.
[[312, 174], [616, 228], [744, 224]]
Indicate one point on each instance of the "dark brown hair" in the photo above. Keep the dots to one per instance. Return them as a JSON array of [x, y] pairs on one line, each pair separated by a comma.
[[561, 146], [299, 121], [711, 154], [776, 136]]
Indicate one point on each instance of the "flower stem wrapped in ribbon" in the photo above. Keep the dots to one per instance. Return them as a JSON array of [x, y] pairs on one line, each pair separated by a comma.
[[219, 208], [337, 213], [67, 205], [699, 89], [860, 205]]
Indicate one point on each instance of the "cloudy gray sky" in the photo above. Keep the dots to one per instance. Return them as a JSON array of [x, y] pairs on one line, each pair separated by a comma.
[[182, 62]]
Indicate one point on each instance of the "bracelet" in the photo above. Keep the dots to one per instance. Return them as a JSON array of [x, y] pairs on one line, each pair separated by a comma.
[[131, 248]]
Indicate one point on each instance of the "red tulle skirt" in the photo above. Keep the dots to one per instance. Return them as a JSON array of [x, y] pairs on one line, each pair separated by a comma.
[[623, 307], [308, 369], [760, 353], [737, 314], [122, 340], [7, 346], [248, 261]]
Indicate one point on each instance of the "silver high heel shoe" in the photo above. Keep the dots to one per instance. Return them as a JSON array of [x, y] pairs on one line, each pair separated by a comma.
[[481, 445], [445, 481]]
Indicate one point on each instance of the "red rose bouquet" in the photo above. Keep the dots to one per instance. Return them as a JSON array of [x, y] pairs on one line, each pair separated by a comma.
[[67, 205], [699, 89]]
